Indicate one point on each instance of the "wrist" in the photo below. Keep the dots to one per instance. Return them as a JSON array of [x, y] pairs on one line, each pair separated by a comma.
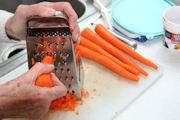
[[5, 98]]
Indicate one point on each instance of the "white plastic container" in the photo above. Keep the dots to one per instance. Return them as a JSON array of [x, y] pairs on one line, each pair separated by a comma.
[[171, 22]]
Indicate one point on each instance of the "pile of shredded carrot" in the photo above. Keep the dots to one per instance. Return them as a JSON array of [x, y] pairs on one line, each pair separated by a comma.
[[68, 102]]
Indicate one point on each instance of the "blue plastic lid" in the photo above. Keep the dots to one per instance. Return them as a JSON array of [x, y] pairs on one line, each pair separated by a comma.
[[142, 17]]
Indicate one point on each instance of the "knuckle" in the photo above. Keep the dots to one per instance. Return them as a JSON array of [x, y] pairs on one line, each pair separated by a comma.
[[21, 7], [44, 3], [74, 17], [67, 4], [40, 65], [40, 97]]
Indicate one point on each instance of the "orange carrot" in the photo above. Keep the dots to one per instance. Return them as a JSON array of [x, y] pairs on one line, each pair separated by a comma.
[[77, 113], [105, 34], [94, 90], [48, 60], [44, 80], [90, 54], [89, 34], [86, 43], [64, 58], [84, 94], [32, 61], [66, 103]]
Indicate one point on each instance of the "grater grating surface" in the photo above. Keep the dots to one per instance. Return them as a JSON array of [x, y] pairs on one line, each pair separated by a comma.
[[52, 36]]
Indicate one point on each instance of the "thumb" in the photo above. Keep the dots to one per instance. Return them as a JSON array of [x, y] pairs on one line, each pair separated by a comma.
[[38, 69], [59, 90]]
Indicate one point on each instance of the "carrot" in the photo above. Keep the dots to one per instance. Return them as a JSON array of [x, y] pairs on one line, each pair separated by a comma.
[[84, 94], [94, 90], [86, 43], [89, 34], [90, 54], [44, 80], [32, 61], [77, 113], [105, 34], [66, 103], [48, 60]]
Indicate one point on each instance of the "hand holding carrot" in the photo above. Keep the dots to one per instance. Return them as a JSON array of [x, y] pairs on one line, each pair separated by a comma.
[[20, 98]]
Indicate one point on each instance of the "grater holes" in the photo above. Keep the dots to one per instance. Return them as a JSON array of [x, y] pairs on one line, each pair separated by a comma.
[[60, 53], [35, 54], [67, 54], [62, 70], [64, 62], [54, 53], [55, 44], [36, 45], [58, 61], [73, 91], [47, 53], [64, 58], [69, 75], [49, 44], [65, 77], [69, 86], [62, 44]]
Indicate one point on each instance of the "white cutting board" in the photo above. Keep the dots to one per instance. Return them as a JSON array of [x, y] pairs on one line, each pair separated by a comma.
[[113, 94]]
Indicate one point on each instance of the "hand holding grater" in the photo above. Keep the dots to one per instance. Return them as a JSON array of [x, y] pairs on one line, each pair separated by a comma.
[[52, 36]]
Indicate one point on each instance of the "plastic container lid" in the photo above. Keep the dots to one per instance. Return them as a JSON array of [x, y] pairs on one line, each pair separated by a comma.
[[142, 17]]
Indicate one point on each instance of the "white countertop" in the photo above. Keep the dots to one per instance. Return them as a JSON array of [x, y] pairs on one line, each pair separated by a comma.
[[162, 100]]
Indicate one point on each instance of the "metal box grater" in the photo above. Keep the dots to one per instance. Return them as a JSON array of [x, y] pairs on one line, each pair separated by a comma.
[[52, 36]]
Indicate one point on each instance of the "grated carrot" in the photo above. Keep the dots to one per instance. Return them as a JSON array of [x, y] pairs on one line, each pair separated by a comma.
[[32, 61], [69, 102], [77, 113], [82, 101], [94, 90], [64, 58]]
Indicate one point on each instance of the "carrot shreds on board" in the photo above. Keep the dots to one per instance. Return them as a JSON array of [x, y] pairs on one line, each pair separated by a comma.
[[66, 103], [77, 113], [69, 102], [94, 90], [85, 94], [82, 101]]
